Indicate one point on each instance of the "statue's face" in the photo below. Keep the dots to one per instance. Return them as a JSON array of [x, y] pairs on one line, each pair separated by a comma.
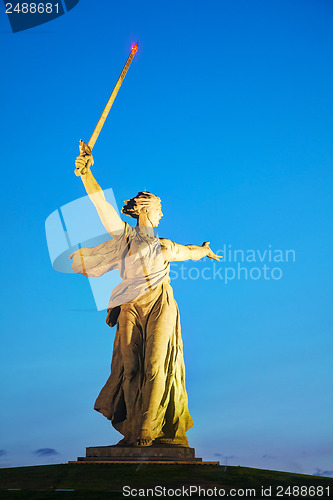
[[155, 215]]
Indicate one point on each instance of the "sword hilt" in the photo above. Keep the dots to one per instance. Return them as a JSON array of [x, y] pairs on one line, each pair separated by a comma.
[[84, 150]]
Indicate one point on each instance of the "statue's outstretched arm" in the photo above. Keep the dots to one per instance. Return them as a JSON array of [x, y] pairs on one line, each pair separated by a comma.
[[109, 217], [174, 252]]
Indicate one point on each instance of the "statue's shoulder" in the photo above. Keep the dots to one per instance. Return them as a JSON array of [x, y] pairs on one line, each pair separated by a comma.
[[166, 243]]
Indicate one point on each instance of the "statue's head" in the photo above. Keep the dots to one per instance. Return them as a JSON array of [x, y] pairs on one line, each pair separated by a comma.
[[144, 203]]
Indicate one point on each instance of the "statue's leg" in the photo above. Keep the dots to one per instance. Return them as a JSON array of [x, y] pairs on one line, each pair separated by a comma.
[[131, 351], [158, 351]]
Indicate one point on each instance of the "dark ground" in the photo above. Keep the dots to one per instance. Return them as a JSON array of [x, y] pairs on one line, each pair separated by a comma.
[[104, 481]]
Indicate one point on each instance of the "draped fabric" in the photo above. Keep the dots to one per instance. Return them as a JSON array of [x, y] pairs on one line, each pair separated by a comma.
[[146, 388], [137, 257]]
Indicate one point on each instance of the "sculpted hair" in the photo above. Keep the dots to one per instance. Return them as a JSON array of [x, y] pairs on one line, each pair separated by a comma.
[[144, 199]]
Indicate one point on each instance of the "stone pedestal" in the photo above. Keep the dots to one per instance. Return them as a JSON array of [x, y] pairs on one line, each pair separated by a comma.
[[151, 454]]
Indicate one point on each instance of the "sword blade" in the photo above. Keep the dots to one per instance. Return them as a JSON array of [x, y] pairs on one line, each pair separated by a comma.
[[112, 97]]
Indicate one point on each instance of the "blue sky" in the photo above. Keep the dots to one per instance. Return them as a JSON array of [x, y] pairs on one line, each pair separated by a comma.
[[227, 115]]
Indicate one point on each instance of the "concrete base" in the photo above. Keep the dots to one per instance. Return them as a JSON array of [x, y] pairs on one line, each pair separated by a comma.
[[136, 454]]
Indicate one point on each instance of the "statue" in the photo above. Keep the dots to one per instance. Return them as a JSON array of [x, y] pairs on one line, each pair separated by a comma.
[[145, 396]]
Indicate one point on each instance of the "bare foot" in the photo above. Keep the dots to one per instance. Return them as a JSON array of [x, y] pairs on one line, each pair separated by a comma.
[[144, 440]]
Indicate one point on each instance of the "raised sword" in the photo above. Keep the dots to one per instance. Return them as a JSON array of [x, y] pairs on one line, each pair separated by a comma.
[[87, 148]]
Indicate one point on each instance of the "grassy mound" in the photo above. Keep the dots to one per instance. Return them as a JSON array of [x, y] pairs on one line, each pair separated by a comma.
[[100, 481]]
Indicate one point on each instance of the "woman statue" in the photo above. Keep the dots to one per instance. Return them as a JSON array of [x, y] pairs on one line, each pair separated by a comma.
[[145, 396]]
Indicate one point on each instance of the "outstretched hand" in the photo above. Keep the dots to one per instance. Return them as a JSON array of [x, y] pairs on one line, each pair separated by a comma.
[[84, 161], [209, 253]]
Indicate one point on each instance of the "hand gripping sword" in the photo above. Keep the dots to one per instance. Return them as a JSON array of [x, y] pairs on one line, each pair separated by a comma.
[[87, 148]]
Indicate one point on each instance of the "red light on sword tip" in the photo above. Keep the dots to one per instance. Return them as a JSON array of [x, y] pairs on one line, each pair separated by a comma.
[[135, 47]]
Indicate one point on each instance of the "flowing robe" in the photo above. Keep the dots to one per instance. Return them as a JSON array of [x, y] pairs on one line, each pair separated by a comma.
[[146, 389]]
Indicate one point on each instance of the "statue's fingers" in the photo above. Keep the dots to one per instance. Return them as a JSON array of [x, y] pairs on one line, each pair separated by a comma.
[[214, 256]]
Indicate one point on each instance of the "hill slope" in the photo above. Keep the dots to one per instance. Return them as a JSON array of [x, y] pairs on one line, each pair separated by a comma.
[[97, 481]]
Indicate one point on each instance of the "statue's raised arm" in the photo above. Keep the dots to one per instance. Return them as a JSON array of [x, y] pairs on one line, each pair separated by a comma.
[[108, 215]]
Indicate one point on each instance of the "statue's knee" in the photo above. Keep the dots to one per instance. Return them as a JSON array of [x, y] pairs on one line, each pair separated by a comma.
[[129, 374], [130, 370], [153, 370]]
